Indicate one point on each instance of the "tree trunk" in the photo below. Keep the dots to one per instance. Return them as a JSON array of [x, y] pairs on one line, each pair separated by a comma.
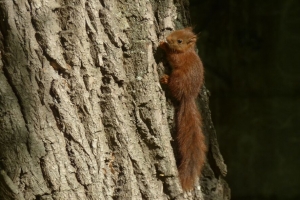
[[83, 115]]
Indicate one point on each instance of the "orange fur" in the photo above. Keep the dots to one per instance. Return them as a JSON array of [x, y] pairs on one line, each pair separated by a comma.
[[185, 83]]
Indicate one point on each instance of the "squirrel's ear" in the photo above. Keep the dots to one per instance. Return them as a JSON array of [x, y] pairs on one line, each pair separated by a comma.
[[189, 28], [193, 39]]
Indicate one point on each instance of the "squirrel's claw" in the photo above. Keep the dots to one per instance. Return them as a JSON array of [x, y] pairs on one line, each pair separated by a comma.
[[164, 79]]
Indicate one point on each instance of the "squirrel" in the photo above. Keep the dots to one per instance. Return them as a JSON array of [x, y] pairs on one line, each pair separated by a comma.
[[184, 83]]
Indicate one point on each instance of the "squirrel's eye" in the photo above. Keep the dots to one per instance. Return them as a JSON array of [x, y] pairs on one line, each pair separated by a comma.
[[179, 41]]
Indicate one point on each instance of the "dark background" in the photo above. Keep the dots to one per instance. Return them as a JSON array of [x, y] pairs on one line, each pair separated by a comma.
[[251, 53]]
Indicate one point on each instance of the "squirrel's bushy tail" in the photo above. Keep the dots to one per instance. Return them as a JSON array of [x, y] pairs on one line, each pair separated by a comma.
[[191, 141]]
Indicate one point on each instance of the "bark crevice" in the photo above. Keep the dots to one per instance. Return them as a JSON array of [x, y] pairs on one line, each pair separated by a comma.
[[88, 118]]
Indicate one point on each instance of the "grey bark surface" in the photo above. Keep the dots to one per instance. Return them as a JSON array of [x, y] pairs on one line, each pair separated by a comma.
[[82, 112]]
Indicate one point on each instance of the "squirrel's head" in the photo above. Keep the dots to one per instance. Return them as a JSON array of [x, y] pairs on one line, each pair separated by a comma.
[[182, 40]]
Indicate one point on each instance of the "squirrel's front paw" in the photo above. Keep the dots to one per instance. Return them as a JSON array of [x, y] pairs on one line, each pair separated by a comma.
[[164, 79], [161, 43]]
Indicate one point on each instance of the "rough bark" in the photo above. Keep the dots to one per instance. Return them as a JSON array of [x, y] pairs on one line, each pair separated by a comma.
[[83, 115]]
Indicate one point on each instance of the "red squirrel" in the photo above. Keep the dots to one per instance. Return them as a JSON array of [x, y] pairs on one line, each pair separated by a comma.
[[184, 83]]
